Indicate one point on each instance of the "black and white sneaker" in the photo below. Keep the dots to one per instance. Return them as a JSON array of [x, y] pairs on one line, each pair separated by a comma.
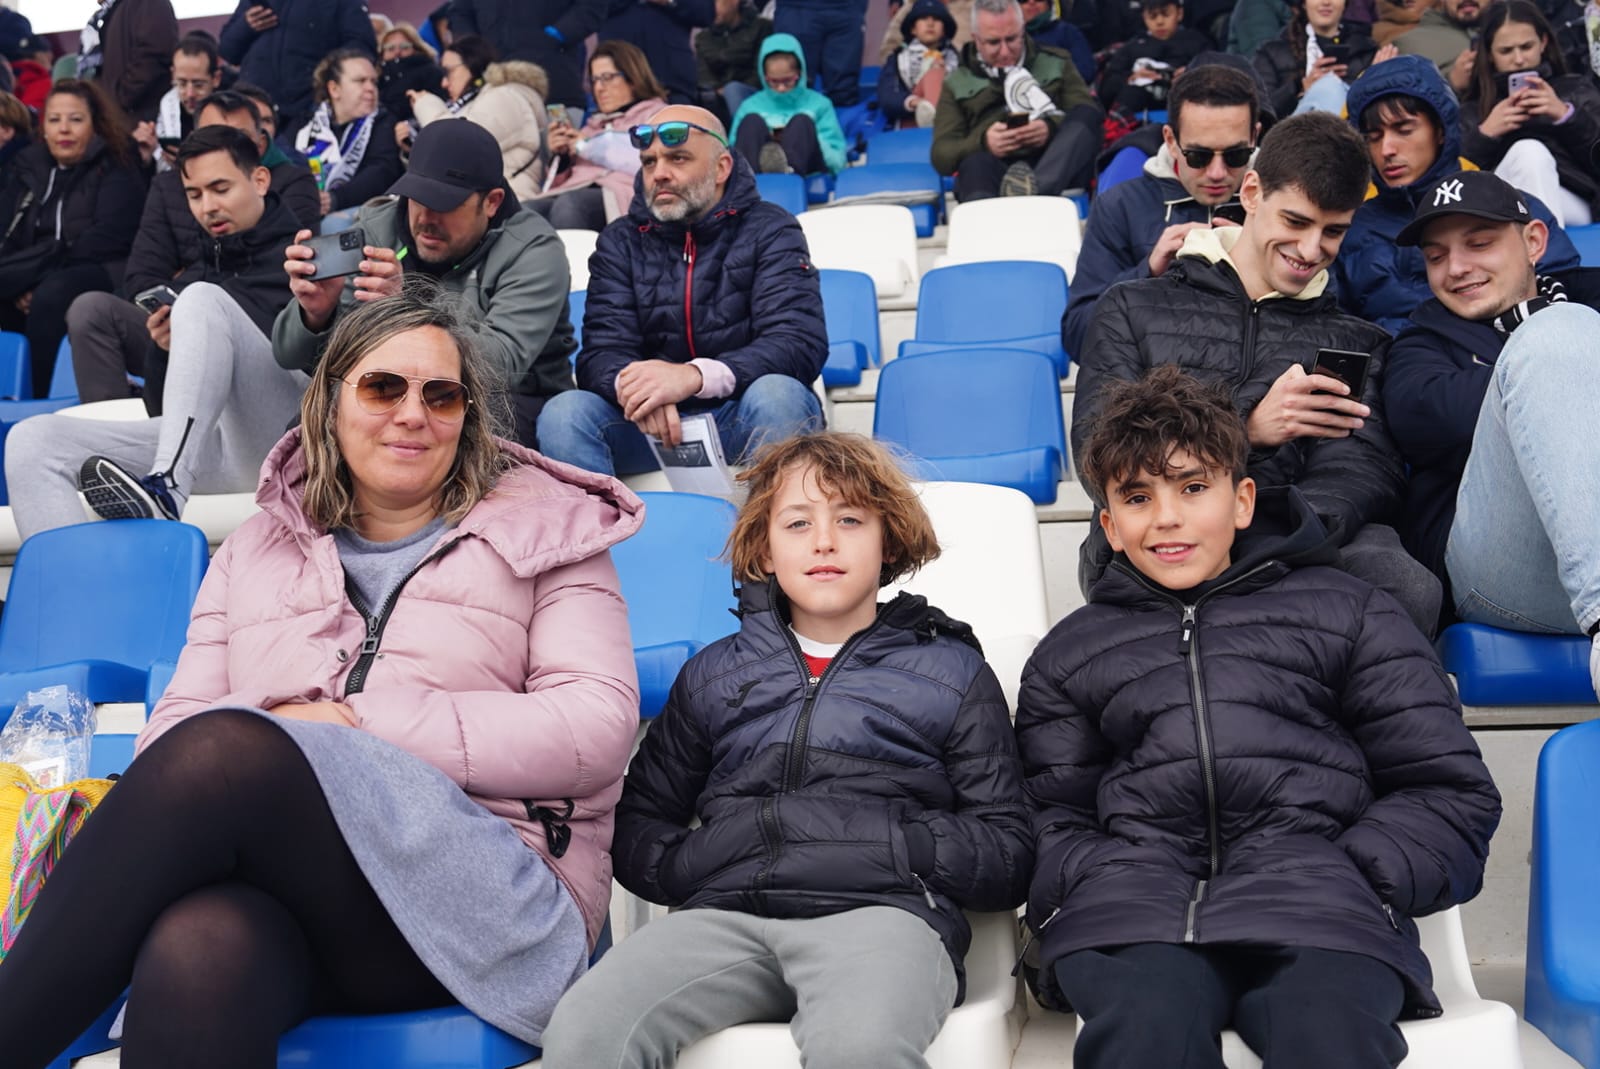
[[116, 494], [1019, 181]]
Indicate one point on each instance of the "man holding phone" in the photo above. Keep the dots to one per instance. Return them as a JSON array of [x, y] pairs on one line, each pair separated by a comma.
[[196, 74], [1488, 392], [1248, 306], [226, 400]]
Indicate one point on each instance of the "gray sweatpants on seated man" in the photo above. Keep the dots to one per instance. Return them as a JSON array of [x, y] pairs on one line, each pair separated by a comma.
[[227, 402], [867, 987]]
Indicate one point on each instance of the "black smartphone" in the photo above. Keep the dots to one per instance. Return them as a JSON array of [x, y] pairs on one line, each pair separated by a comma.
[[1337, 53], [1014, 121], [1348, 367], [338, 254], [156, 297], [169, 142], [1232, 211]]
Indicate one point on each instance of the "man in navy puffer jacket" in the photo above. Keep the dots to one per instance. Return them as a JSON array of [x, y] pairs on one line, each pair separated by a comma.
[[1409, 117], [703, 299]]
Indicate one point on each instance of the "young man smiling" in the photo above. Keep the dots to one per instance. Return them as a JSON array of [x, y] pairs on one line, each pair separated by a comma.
[[1247, 305], [1486, 386]]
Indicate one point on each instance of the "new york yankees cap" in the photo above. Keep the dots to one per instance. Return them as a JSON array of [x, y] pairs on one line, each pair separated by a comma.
[[1480, 193]]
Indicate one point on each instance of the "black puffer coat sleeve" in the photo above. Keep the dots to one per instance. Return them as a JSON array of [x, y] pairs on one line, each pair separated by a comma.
[[1110, 354], [982, 850], [1423, 840], [118, 205], [663, 783]]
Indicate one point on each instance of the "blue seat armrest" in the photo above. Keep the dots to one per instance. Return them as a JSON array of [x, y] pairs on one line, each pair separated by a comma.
[[99, 681], [658, 668]]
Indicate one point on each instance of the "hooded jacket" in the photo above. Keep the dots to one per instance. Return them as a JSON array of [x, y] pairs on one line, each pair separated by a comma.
[[505, 655], [511, 107], [779, 108], [892, 85], [1274, 758], [1125, 225], [1199, 317], [736, 286], [92, 207], [661, 32], [890, 780], [513, 286], [1575, 144], [1375, 278], [520, 29], [281, 59], [971, 101], [726, 54], [1282, 73]]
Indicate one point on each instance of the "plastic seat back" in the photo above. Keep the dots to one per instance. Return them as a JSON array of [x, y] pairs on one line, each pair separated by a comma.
[[679, 593], [878, 239], [915, 185], [580, 246], [16, 378], [901, 146], [985, 303], [787, 191], [1016, 228], [1493, 666], [577, 304], [1587, 239], [850, 305]]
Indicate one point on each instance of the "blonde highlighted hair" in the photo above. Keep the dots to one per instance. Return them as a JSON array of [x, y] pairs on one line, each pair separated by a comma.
[[861, 471]]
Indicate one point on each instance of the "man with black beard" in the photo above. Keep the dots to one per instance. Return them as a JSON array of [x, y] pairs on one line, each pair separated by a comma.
[[455, 221], [703, 299]]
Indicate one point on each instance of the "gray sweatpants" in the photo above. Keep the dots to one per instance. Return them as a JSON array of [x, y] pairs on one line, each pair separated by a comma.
[[220, 374], [868, 987]]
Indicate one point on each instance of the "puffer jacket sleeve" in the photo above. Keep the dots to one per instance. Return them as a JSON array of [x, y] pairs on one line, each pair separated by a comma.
[[830, 136], [118, 204], [1274, 62], [237, 36], [155, 257], [1423, 841], [664, 780], [1105, 259], [611, 338], [892, 91], [788, 334], [1431, 403], [982, 847], [566, 735], [1110, 354]]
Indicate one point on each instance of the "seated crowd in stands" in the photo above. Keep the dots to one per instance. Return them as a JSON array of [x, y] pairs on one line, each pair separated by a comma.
[[427, 440]]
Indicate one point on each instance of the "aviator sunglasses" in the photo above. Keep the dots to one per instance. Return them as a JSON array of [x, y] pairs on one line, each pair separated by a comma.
[[378, 392], [1200, 158], [672, 134]]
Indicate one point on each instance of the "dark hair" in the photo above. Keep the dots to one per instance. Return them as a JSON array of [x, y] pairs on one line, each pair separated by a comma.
[[633, 66], [195, 44], [15, 114], [1213, 86], [1485, 83], [1143, 422], [476, 54], [1394, 105], [261, 97], [240, 147], [229, 102], [331, 68], [107, 117], [1321, 155]]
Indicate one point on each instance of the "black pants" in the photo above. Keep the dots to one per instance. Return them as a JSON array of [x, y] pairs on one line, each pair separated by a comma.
[[1065, 162], [798, 138], [46, 321], [214, 884], [1163, 1006]]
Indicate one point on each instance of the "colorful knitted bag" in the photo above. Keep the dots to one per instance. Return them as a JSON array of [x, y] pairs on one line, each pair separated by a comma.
[[38, 823]]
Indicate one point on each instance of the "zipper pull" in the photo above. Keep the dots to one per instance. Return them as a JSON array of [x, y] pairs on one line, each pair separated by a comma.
[[687, 240], [1186, 636], [1388, 911], [369, 644], [1027, 943], [926, 894], [811, 685]]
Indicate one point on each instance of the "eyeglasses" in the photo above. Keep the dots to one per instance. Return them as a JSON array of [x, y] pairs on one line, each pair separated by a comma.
[[672, 134], [378, 392], [783, 83], [607, 77], [401, 47], [1200, 158]]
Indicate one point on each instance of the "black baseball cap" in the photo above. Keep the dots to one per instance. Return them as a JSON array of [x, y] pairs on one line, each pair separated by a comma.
[[1480, 193], [451, 160]]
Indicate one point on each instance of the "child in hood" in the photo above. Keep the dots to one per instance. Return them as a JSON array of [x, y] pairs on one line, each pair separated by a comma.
[[788, 126], [908, 88]]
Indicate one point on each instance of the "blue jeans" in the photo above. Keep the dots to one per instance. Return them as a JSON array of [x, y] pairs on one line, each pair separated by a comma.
[[1524, 550], [587, 431]]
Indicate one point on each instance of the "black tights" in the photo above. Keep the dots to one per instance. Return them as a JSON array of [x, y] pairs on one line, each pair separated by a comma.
[[214, 878]]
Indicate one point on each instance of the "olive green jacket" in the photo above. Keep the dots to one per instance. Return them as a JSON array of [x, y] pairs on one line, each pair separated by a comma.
[[971, 101]]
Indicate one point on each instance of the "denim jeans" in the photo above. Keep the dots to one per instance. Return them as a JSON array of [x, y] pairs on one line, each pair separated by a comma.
[[1524, 550], [587, 431]]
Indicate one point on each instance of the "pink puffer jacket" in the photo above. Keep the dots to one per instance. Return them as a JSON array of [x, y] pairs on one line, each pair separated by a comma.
[[506, 662]]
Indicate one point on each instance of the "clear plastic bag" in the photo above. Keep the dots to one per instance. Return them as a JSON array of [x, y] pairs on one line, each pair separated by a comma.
[[49, 734]]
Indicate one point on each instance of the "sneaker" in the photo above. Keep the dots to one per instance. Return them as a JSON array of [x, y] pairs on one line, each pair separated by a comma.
[[1019, 181], [772, 159], [925, 112], [115, 494]]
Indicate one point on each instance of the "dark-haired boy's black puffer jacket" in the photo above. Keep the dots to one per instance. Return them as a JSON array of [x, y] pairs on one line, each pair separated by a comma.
[[738, 286], [1273, 759], [892, 780]]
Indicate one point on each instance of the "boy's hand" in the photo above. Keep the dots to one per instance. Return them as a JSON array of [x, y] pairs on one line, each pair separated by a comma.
[[1294, 409]]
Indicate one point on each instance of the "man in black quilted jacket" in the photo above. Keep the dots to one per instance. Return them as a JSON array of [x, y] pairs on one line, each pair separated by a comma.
[[1248, 306], [703, 299]]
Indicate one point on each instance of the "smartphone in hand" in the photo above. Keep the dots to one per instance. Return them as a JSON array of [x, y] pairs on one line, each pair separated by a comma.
[[155, 298], [338, 254], [1348, 367]]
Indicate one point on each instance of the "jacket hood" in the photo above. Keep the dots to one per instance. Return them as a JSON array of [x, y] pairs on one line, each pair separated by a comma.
[[541, 514], [1416, 77], [739, 195], [905, 612], [924, 8], [1215, 246], [782, 42], [518, 72]]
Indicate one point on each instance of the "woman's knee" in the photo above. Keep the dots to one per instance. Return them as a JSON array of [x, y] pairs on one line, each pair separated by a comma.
[[213, 748]]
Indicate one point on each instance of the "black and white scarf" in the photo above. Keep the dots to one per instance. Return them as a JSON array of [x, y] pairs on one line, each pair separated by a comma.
[[91, 53], [1551, 291], [334, 160]]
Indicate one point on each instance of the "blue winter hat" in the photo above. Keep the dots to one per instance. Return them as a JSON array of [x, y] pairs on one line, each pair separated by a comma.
[[923, 9]]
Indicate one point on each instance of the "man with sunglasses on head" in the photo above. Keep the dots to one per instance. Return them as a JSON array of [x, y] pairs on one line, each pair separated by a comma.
[[1248, 305], [453, 219], [703, 299], [1137, 226], [226, 400]]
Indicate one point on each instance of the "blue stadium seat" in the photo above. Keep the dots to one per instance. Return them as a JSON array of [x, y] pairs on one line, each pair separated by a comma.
[[63, 392], [1587, 239], [679, 594], [1562, 985], [819, 187], [860, 121], [918, 179], [94, 605], [850, 303], [787, 191], [1129, 163], [1015, 304], [577, 302], [868, 79], [16, 374], [977, 415], [94, 1039], [1498, 667], [451, 1036], [905, 146]]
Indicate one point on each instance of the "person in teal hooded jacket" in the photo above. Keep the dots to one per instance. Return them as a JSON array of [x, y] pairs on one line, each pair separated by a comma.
[[788, 126]]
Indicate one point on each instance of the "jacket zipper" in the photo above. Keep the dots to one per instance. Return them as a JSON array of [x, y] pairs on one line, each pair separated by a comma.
[[1249, 347], [1028, 942], [375, 624], [688, 290]]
